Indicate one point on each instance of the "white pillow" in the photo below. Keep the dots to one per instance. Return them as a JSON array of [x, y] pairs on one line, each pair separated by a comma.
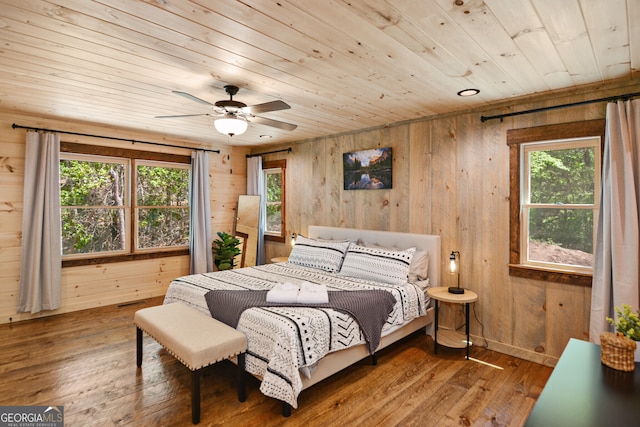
[[419, 268], [377, 264], [324, 255], [424, 284]]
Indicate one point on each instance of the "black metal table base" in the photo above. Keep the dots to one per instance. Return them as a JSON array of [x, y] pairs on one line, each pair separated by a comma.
[[435, 328]]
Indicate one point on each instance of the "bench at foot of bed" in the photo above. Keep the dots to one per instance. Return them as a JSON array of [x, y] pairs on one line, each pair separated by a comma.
[[195, 339]]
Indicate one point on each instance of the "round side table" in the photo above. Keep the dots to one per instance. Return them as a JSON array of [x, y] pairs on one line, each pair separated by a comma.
[[451, 338]]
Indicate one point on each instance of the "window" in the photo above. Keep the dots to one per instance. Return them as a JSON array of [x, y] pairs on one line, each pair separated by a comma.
[[162, 205], [560, 183], [94, 204], [555, 191], [274, 200], [122, 204]]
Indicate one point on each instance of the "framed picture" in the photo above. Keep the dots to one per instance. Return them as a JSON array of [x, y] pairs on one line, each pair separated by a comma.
[[367, 169]]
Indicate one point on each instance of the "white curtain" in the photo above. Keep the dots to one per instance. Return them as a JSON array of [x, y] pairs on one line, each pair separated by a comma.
[[256, 187], [41, 267], [200, 235], [617, 255]]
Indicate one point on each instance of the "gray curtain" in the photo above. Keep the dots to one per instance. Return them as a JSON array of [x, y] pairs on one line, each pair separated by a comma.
[[200, 235], [256, 187], [41, 260], [615, 273]]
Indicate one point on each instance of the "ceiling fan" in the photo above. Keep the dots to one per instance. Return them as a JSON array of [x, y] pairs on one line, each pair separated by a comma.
[[233, 117]]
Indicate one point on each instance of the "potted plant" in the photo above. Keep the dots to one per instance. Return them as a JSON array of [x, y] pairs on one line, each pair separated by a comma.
[[618, 350], [628, 323], [225, 248]]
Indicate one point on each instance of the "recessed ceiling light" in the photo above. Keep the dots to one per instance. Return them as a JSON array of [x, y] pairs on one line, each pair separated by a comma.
[[468, 92]]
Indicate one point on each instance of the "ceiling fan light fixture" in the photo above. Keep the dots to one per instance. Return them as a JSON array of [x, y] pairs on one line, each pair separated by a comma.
[[230, 126], [468, 92]]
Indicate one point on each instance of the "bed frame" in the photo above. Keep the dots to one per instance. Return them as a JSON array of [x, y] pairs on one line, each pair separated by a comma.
[[335, 362]]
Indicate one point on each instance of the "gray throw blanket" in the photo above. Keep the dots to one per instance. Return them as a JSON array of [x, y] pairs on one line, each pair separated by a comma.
[[369, 308]]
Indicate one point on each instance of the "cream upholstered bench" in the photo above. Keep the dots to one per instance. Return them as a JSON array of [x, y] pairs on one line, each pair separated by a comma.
[[195, 339]]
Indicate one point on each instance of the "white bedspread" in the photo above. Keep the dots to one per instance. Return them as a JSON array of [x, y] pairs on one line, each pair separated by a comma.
[[283, 341]]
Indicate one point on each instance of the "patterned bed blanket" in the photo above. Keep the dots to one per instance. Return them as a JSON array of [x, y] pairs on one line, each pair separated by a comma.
[[369, 308], [285, 342]]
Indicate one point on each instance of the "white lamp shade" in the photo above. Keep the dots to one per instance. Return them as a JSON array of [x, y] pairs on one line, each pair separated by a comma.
[[230, 127]]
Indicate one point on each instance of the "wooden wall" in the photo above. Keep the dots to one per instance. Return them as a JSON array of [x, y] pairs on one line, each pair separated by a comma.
[[451, 177], [104, 284]]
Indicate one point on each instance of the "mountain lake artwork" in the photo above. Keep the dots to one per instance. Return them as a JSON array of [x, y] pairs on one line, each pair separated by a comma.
[[367, 169]]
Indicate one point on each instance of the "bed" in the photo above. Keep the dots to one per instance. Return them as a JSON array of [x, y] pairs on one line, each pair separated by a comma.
[[292, 347]]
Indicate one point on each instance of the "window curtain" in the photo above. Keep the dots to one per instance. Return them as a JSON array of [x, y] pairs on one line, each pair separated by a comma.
[[617, 252], [41, 260], [255, 187], [200, 235]]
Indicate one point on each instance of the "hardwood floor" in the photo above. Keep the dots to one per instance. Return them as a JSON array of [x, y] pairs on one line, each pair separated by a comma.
[[85, 361]]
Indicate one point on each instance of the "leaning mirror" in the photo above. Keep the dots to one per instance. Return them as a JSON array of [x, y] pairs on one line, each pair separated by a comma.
[[247, 229]]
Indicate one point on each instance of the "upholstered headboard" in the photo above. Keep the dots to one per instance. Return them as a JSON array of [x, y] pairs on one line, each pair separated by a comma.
[[388, 239]]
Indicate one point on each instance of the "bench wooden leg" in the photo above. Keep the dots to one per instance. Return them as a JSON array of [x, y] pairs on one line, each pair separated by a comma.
[[138, 347], [195, 396], [242, 394]]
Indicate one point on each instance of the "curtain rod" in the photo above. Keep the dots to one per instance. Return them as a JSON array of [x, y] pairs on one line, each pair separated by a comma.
[[133, 141], [288, 150], [555, 107]]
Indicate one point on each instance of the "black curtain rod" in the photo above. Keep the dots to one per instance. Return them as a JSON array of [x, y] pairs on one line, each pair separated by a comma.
[[555, 107], [133, 141], [288, 150]]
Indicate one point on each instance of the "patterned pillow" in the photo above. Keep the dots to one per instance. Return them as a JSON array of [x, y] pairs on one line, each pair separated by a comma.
[[377, 264], [419, 268], [324, 255]]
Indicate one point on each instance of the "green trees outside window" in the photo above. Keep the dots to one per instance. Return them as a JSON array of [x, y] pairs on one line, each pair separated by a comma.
[[97, 213], [93, 209], [561, 191], [162, 202], [274, 201]]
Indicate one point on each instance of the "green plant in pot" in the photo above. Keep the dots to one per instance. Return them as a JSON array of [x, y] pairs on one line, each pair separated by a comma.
[[225, 248], [628, 323]]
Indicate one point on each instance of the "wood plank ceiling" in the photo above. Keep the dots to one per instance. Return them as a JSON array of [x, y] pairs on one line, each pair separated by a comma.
[[341, 65]]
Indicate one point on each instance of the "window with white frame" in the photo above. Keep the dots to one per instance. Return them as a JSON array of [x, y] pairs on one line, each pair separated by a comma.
[[95, 204], [162, 205], [114, 206], [560, 191], [274, 200], [555, 173]]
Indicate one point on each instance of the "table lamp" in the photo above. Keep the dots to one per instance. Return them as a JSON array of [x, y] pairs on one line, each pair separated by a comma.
[[454, 268]]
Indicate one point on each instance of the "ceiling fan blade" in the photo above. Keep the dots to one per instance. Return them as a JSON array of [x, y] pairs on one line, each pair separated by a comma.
[[181, 115], [272, 123], [266, 107], [191, 97]]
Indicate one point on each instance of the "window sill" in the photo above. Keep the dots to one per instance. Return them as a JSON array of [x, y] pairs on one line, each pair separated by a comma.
[[550, 275], [272, 238], [122, 258]]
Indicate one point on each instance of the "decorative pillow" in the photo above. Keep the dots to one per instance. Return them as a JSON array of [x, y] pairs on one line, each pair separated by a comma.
[[377, 264], [419, 268], [324, 255]]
